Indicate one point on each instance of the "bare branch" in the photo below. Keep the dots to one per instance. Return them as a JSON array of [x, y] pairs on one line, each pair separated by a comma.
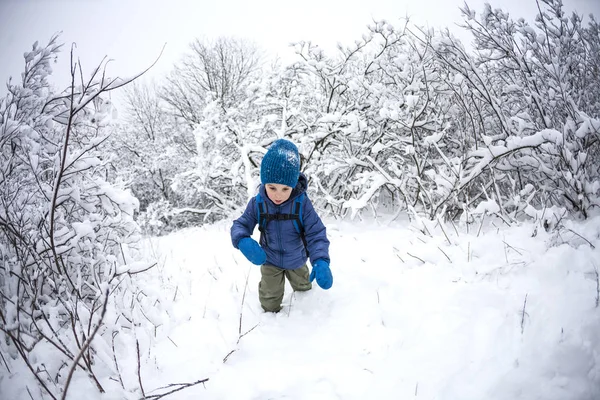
[[85, 346]]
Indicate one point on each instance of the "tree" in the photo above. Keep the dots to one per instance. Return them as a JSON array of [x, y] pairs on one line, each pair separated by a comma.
[[164, 133], [64, 230], [534, 94], [151, 147], [218, 70]]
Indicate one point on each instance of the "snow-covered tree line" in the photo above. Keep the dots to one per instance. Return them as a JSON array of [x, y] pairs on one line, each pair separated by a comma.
[[67, 236], [401, 120], [158, 153]]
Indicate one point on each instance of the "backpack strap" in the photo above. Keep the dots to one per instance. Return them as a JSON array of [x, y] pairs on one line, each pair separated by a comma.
[[261, 213], [298, 222], [297, 214], [263, 217]]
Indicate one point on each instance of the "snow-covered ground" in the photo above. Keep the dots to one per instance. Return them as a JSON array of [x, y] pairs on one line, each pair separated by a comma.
[[500, 313]]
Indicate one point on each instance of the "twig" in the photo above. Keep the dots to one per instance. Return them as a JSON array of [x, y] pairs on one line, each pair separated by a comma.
[[247, 332], [445, 254], [21, 351], [181, 387], [597, 286], [512, 248], [114, 334], [591, 245], [443, 230], [481, 224], [292, 297], [6, 364], [122, 253], [227, 356], [140, 271], [507, 223], [242, 306], [396, 251], [468, 251], [454, 226], [139, 366], [523, 314], [87, 343], [415, 257], [240, 335], [27, 387], [466, 209]]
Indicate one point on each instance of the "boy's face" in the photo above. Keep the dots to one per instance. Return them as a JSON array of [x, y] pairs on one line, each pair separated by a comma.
[[278, 193]]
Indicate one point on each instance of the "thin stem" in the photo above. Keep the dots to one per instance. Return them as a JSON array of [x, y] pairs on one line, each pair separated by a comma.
[[87, 343]]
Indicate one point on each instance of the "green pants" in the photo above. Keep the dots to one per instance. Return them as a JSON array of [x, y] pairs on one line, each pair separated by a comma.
[[272, 284]]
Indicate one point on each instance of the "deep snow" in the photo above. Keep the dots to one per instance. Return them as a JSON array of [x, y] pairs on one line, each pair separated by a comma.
[[500, 313]]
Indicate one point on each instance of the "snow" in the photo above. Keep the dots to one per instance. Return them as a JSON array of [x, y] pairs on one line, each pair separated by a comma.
[[500, 313], [401, 319], [357, 204], [489, 206]]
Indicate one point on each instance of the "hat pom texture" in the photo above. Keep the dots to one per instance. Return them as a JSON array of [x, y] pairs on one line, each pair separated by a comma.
[[281, 164]]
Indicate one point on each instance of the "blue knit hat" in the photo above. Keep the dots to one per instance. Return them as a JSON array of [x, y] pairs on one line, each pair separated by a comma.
[[281, 164]]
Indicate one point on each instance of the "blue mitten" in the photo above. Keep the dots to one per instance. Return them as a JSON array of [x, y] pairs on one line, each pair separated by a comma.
[[321, 271], [252, 250]]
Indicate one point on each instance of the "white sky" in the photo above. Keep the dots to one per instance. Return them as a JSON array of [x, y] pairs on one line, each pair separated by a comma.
[[132, 32]]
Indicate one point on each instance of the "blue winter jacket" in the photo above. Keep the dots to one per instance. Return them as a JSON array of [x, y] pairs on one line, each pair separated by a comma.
[[282, 242]]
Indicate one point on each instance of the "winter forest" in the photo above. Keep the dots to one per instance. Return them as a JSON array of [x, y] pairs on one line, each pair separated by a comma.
[[405, 125]]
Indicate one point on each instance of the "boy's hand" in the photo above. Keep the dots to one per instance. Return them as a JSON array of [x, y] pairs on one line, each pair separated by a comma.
[[252, 250], [321, 271]]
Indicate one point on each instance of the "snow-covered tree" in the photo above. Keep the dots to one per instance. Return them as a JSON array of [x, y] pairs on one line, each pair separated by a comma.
[[64, 230], [167, 159], [230, 142], [384, 108], [151, 147], [532, 97], [219, 69]]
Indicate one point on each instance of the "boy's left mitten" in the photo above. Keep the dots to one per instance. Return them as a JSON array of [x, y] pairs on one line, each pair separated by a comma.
[[321, 271], [252, 250]]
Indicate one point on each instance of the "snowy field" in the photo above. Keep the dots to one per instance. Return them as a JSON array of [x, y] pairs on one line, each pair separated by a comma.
[[497, 313]]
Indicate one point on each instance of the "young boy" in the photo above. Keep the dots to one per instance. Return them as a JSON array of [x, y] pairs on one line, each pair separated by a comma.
[[283, 250]]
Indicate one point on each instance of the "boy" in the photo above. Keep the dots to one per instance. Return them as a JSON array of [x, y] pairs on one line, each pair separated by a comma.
[[283, 249]]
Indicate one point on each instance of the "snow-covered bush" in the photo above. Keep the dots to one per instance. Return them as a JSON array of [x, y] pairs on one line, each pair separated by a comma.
[[230, 142], [164, 145], [532, 96], [384, 126], [66, 234], [150, 148]]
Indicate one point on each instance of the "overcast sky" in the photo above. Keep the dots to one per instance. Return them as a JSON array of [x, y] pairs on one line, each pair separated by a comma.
[[132, 32]]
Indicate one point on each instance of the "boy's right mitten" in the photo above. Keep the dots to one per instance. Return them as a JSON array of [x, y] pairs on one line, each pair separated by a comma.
[[252, 250]]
